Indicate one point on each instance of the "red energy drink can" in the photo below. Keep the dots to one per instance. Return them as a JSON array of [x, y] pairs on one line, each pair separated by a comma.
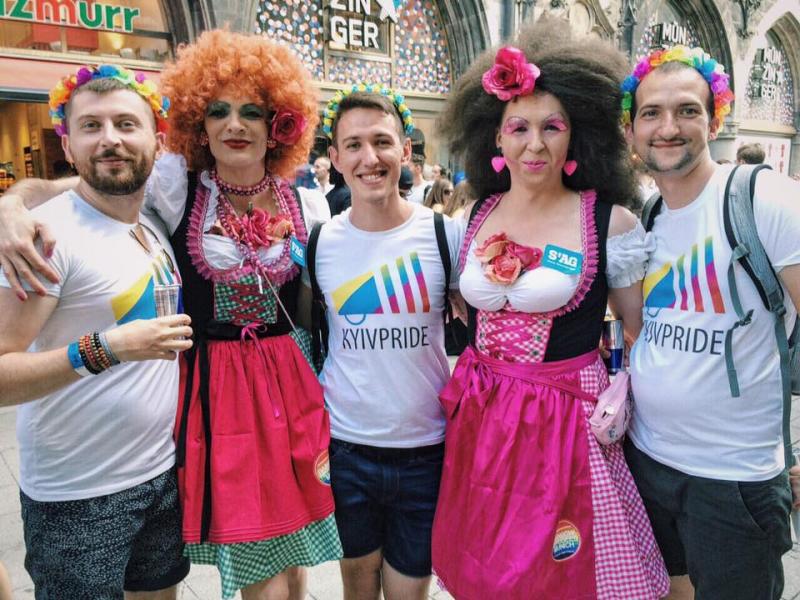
[[614, 342]]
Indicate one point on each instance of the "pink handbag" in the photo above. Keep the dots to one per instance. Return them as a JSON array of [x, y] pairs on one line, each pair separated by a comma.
[[613, 410]]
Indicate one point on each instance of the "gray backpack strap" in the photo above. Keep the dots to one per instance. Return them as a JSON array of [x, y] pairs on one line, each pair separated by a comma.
[[650, 210], [748, 251]]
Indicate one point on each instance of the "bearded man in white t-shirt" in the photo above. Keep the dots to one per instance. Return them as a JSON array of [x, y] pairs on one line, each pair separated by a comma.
[[709, 465], [381, 275], [92, 368]]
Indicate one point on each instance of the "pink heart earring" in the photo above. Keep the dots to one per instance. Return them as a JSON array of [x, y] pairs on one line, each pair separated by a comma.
[[570, 166], [498, 163]]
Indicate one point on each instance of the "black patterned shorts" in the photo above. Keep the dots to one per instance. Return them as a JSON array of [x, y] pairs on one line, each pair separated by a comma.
[[98, 547]]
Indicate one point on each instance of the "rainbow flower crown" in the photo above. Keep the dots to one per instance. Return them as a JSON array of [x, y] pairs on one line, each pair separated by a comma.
[[712, 71], [61, 93], [332, 109]]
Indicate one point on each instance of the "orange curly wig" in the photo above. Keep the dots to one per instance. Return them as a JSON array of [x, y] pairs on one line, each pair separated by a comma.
[[252, 65]]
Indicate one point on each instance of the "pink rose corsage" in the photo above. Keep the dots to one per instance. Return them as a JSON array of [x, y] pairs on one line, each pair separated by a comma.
[[511, 75], [503, 260], [287, 126]]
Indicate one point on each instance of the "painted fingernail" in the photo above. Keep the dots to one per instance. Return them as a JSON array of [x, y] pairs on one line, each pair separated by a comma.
[[22, 297]]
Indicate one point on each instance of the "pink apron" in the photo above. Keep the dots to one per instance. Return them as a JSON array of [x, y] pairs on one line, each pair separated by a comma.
[[514, 517]]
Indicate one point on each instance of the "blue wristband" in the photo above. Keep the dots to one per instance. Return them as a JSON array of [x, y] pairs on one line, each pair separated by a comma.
[[76, 361]]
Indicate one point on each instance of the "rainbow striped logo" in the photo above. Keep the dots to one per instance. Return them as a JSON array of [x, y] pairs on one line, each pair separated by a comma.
[[697, 290], [566, 542], [375, 292]]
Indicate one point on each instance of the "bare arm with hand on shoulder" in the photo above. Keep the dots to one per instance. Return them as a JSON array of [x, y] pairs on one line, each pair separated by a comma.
[[26, 376], [19, 257]]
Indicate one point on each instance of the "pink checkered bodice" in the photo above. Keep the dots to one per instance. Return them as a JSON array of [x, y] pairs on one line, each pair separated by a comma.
[[512, 335]]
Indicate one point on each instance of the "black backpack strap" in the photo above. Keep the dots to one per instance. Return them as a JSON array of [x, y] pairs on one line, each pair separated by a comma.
[[319, 325], [444, 254], [650, 210]]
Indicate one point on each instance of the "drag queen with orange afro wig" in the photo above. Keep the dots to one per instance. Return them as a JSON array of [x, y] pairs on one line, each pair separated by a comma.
[[252, 433]]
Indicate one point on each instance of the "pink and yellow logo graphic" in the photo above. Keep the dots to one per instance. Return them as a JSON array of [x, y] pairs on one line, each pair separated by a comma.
[[659, 286], [364, 295], [566, 542]]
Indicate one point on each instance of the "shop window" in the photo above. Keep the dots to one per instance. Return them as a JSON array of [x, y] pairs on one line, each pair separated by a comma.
[[128, 29]]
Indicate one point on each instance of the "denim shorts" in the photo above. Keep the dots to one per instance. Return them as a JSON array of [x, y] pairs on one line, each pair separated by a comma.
[[98, 547], [728, 536], [385, 499]]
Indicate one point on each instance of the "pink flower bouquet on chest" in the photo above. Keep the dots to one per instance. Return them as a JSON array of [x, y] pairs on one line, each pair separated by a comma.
[[504, 260]]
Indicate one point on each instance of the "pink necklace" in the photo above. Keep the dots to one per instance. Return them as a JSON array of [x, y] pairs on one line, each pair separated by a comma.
[[278, 271], [241, 190]]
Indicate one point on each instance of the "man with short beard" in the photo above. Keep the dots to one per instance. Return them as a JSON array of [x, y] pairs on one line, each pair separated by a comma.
[[88, 362], [708, 458]]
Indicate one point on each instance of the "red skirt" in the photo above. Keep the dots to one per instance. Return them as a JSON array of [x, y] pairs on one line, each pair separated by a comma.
[[268, 472]]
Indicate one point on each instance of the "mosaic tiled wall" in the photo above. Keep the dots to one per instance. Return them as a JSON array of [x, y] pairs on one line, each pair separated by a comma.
[[298, 24], [421, 61], [780, 107]]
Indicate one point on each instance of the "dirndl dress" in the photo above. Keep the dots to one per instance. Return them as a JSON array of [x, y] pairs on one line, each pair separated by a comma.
[[252, 432], [530, 505]]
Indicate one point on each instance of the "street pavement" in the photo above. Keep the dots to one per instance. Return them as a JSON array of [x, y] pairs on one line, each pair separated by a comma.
[[324, 582]]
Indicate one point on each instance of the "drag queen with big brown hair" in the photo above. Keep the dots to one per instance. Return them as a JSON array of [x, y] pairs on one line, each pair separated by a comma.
[[530, 505]]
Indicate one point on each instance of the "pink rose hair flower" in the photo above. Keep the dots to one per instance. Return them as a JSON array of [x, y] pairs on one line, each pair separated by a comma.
[[511, 75], [287, 126], [503, 260]]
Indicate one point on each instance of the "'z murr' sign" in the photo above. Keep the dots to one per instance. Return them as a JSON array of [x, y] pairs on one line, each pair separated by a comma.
[[359, 32], [79, 13]]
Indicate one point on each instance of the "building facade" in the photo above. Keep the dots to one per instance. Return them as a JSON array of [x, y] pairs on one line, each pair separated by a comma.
[[417, 46]]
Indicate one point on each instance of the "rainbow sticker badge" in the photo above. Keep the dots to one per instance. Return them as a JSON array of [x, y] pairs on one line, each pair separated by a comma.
[[567, 541], [322, 468]]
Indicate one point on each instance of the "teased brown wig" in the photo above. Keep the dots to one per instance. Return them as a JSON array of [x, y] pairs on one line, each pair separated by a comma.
[[584, 74]]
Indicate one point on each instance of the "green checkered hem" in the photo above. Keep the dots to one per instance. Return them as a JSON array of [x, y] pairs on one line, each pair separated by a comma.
[[250, 562]]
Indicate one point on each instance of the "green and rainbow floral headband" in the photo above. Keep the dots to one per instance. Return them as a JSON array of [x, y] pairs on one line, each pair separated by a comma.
[[332, 109], [61, 93], [712, 71]]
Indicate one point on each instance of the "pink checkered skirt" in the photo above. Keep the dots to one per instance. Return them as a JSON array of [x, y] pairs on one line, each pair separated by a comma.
[[530, 505]]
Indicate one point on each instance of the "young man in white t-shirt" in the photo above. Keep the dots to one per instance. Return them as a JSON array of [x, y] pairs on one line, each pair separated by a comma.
[[380, 273], [420, 185], [709, 466], [93, 370]]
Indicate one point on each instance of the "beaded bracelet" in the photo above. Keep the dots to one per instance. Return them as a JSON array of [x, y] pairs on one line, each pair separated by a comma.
[[83, 347], [99, 353], [91, 354]]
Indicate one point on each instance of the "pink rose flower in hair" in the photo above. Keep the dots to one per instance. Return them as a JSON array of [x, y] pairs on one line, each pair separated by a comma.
[[512, 75]]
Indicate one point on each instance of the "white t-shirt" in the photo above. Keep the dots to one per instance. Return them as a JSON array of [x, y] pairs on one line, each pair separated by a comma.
[[108, 432], [386, 362], [417, 193], [685, 416]]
